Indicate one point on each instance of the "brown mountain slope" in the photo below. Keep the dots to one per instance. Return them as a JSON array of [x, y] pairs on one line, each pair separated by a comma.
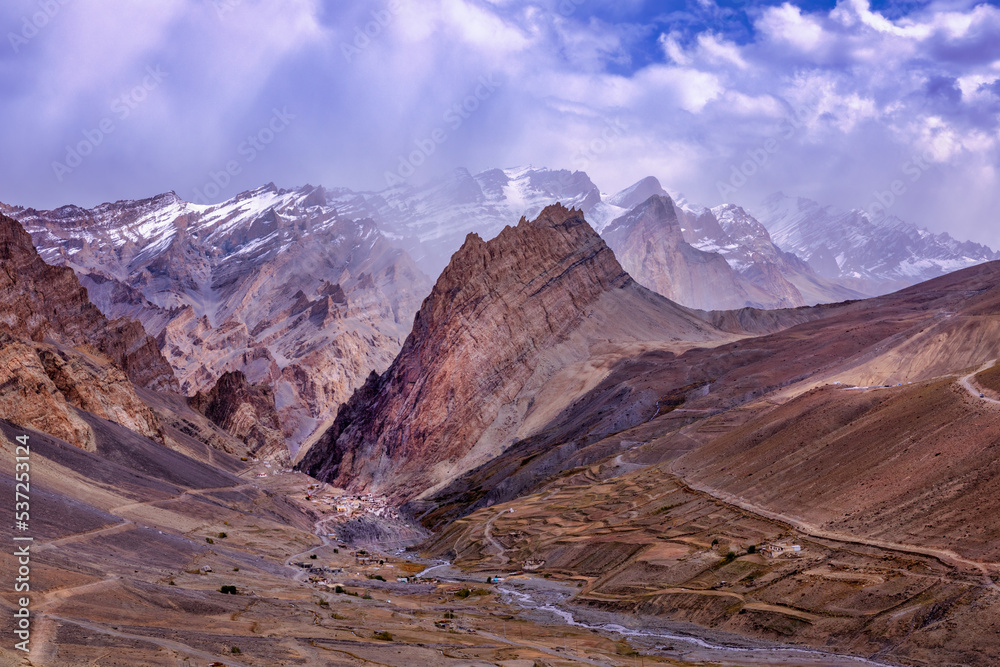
[[58, 353], [485, 356], [679, 402], [912, 465], [272, 283], [39, 301]]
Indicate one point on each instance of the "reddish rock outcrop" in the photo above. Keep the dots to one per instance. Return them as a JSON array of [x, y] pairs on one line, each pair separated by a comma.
[[39, 301], [245, 411], [504, 317], [58, 352], [273, 283]]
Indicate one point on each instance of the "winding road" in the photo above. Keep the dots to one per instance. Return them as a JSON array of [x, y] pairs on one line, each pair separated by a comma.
[[501, 552], [966, 382], [811, 530]]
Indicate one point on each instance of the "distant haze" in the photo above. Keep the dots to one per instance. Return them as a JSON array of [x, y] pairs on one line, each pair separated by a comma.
[[892, 107]]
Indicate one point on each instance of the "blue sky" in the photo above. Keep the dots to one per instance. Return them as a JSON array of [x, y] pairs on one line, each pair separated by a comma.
[[849, 103]]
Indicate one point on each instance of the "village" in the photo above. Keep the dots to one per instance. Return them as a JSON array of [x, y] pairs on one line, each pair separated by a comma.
[[330, 498]]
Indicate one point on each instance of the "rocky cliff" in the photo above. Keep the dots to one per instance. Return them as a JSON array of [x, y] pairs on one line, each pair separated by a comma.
[[58, 352], [245, 411], [649, 242], [274, 284], [504, 319]]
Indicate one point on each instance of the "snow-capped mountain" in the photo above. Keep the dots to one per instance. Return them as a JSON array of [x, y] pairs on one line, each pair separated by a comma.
[[712, 259], [431, 221], [310, 290], [272, 283], [871, 256]]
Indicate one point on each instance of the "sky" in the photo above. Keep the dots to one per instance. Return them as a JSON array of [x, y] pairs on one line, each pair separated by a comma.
[[893, 107]]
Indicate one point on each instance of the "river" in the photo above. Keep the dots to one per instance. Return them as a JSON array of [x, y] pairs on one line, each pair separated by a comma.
[[539, 596]]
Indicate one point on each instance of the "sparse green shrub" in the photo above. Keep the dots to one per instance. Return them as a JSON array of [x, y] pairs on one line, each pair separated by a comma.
[[172, 583], [236, 569], [715, 542], [313, 556], [223, 536], [338, 589], [236, 650], [228, 590], [752, 549], [383, 635], [729, 558], [463, 593], [366, 596], [336, 551], [480, 591], [377, 577], [210, 540]]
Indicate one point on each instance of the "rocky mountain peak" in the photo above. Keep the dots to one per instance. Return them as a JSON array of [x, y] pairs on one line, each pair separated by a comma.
[[637, 193], [503, 317], [47, 302], [245, 411], [554, 216], [740, 225]]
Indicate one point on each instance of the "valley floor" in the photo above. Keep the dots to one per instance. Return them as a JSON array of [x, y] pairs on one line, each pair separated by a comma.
[[653, 550], [136, 579]]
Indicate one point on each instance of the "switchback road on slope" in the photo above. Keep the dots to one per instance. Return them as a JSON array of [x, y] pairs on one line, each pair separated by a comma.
[[967, 383]]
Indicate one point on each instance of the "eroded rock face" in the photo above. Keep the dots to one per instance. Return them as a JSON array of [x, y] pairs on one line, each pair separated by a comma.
[[58, 352], [717, 259], [39, 301], [245, 411], [504, 316], [649, 242], [274, 284]]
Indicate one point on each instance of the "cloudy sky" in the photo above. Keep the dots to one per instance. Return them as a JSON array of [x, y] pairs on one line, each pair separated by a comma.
[[722, 101]]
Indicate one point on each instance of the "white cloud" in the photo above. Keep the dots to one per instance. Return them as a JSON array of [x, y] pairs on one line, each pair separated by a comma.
[[850, 92], [786, 23]]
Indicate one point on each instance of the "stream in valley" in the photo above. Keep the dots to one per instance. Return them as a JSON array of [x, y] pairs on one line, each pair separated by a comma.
[[547, 601]]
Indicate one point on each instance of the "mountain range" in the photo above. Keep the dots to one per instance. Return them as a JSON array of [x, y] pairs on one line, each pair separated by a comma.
[[541, 410], [273, 284], [874, 256], [310, 290], [488, 358]]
